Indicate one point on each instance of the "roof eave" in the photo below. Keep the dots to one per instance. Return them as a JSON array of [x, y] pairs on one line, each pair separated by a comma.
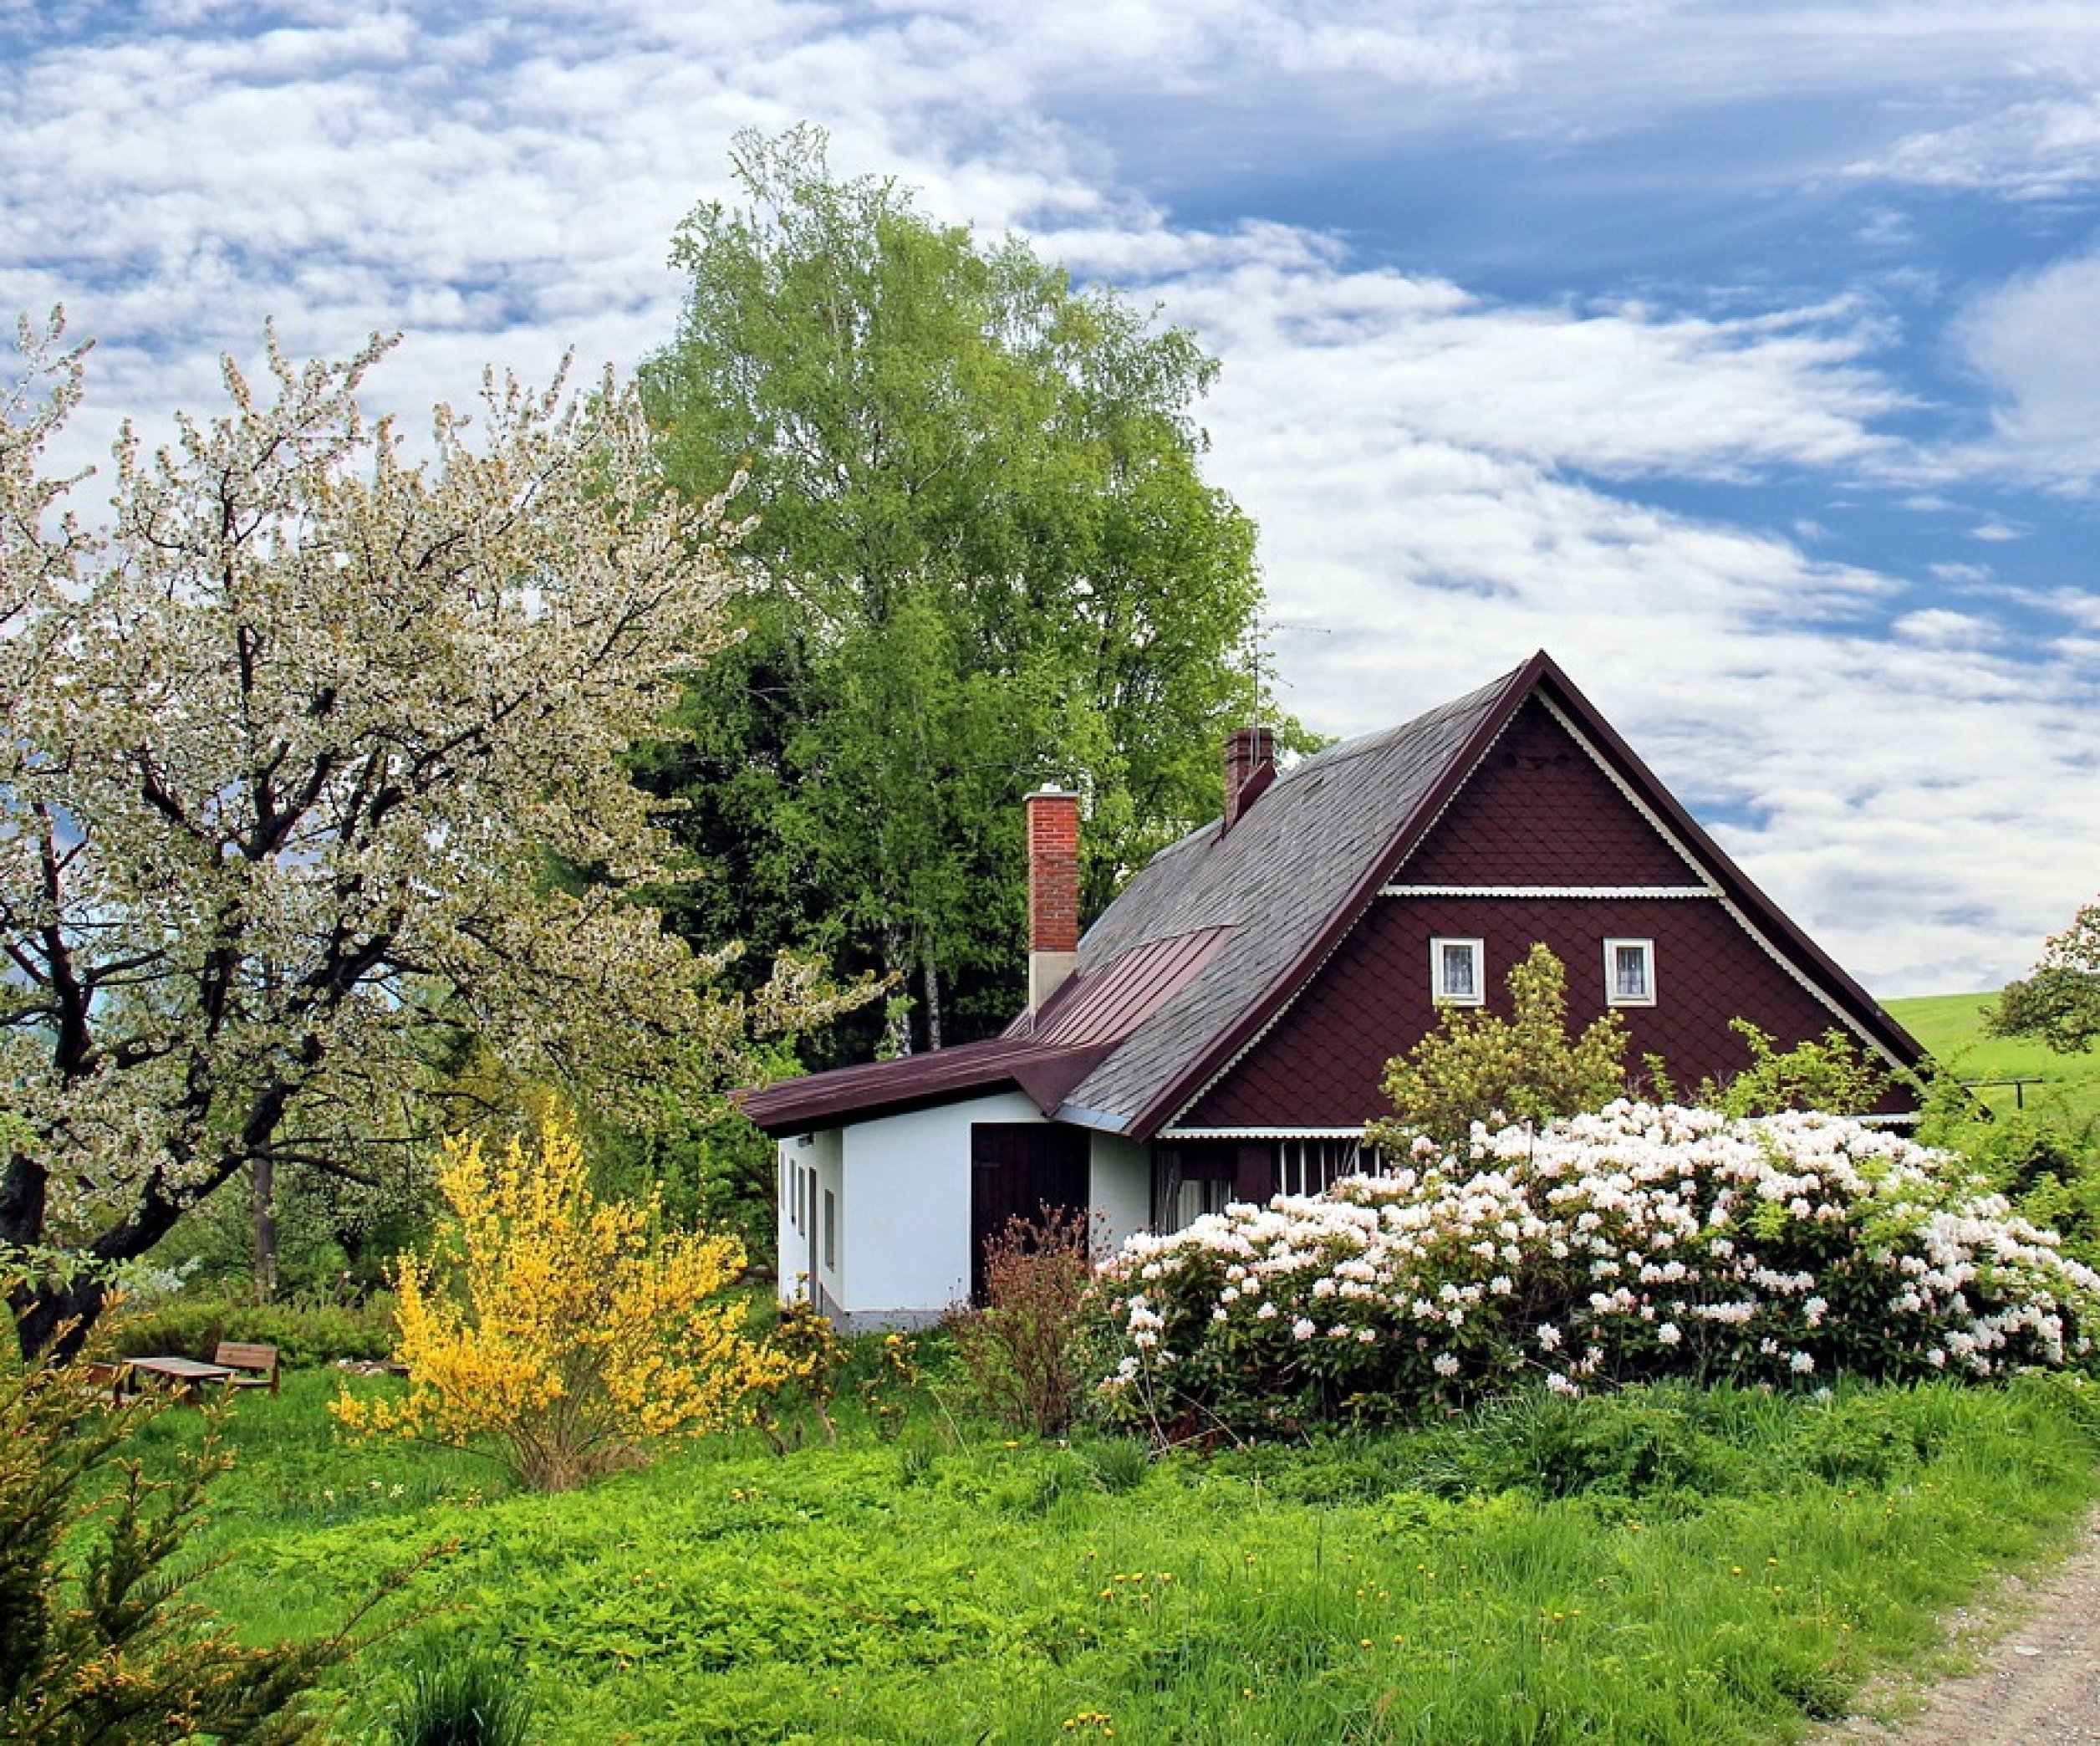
[[1186, 1084], [1867, 1012]]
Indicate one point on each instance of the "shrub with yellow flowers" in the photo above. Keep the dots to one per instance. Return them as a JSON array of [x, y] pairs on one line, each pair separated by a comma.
[[570, 1329]]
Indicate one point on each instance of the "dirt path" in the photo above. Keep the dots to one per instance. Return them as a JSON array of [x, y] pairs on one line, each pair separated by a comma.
[[2037, 1644]]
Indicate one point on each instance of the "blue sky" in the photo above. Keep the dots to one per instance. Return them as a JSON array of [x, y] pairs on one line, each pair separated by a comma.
[[1746, 357]]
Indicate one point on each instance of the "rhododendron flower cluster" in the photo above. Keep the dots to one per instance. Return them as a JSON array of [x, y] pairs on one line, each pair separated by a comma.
[[1638, 1242]]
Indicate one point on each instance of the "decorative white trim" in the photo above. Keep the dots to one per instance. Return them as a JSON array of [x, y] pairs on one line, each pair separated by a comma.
[[1821, 996], [1711, 888], [1260, 1133], [1475, 950], [1614, 997], [1817, 993], [1616, 781], [1583, 892]]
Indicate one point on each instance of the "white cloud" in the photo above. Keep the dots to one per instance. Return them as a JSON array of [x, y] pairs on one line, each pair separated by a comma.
[[2041, 148], [1409, 460], [1445, 480], [1936, 627], [1617, 393], [2037, 342]]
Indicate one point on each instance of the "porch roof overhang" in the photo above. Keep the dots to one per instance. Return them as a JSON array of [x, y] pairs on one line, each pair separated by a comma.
[[1046, 1073]]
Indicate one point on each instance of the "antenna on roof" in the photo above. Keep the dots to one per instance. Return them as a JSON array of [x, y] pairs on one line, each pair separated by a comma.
[[1261, 660]]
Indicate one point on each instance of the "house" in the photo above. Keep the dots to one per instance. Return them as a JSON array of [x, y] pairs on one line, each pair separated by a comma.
[[1221, 1031]]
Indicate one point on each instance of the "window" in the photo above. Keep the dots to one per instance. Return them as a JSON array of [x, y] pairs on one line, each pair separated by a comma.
[[1193, 1196], [1630, 972], [831, 1231], [1312, 1167], [1455, 971]]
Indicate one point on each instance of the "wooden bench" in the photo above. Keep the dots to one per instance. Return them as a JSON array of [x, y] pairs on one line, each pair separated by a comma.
[[252, 1366], [100, 1380]]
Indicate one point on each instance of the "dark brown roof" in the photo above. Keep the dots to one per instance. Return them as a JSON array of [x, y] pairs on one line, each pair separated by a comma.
[[1044, 1054], [1206, 947], [1046, 1072]]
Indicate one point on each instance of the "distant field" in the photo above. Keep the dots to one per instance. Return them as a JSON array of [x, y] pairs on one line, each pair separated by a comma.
[[1951, 1026]]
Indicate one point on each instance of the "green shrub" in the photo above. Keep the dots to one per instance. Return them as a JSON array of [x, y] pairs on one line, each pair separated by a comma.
[[458, 1697], [1119, 1464], [1635, 1444], [1476, 1066], [1636, 1243], [303, 1333], [98, 1642]]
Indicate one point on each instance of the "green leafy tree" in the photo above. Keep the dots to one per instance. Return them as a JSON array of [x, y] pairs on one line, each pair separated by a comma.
[[1527, 1067], [985, 557], [1830, 1073], [2059, 999]]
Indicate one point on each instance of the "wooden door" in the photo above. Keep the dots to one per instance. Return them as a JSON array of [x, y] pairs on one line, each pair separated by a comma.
[[1016, 1168]]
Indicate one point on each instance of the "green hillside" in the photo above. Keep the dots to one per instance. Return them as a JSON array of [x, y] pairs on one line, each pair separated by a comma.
[[1951, 1026]]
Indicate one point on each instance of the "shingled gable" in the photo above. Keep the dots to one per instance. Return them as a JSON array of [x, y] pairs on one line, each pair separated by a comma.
[[1211, 942], [1303, 868]]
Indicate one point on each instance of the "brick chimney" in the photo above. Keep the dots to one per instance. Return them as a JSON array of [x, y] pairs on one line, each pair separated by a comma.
[[1250, 767], [1053, 891]]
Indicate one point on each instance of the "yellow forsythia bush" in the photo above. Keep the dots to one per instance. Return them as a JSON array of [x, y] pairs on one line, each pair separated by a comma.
[[569, 1329]]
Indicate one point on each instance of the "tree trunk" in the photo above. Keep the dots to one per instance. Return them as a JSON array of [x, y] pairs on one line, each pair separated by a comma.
[[896, 1024], [53, 1317], [930, 975], [50, 1310], [262, 1180]]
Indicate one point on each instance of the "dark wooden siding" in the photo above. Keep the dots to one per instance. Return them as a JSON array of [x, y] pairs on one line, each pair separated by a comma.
[[1321, 1065], [1538, 811], [1020, 1170]]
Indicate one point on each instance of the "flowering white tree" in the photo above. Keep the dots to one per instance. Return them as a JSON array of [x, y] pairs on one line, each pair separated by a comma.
[[299, 749], [2059, 999]]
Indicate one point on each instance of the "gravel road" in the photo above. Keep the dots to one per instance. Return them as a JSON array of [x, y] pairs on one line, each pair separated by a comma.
[[2036, 1645]]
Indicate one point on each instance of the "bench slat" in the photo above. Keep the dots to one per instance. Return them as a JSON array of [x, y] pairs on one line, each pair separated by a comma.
[[237, 1355]]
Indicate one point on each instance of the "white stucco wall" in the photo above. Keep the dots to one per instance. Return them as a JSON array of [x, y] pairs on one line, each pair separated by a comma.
[[1120, 1187], [902, 1184], [800, 1246], [906, 1233]]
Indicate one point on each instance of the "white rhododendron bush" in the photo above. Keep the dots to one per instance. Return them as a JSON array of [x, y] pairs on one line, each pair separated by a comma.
[[1639, 1242]]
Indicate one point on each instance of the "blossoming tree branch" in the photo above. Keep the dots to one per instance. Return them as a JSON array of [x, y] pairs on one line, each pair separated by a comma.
[[296, 741]]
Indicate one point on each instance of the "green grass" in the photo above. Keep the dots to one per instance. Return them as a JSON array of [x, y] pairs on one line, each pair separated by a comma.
[[1951, 1026], [1662, 1565]]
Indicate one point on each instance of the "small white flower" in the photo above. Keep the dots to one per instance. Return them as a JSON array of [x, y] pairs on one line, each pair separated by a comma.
[[1446, 1365]]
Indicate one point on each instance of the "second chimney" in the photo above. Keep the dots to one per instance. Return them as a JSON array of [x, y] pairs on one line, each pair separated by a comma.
[[1250, 767], [1053, 891]]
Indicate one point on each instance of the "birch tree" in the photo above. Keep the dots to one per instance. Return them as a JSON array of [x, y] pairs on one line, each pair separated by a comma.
[[298, 740], [986, 558]]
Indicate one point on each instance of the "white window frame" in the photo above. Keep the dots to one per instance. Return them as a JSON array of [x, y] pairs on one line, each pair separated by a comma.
[[1613, 997], [1441, 994]]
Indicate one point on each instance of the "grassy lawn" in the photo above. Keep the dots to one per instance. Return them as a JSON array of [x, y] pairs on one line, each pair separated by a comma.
[[1662, 1565], [1951, 1026]]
